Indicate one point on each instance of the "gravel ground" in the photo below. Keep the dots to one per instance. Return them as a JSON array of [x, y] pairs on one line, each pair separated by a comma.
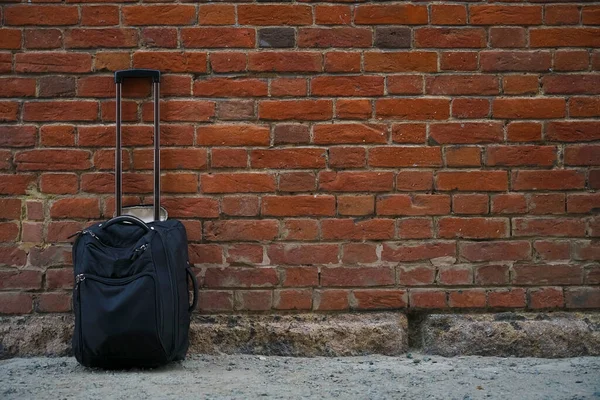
[[414, 376]]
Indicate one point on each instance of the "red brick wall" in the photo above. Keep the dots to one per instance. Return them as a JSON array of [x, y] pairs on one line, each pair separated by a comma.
[[323, 155]]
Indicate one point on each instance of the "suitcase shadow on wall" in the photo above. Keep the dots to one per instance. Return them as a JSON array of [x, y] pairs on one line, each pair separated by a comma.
[[131, 298]]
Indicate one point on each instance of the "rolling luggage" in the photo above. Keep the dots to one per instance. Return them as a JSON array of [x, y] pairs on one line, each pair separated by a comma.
[[131, 297]]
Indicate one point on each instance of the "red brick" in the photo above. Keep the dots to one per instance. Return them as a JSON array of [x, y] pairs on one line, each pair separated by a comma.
[[473, 228], [302, 110], [42, 38], [413, 61], [347, 157], [524, 132], [416, 275], [415, 228], [491, 275], [112, 61], [9, 231], [356, 181], [347, 86], [18, 136], [99, 15], [333, 15], [16, 303], [428, 298], [590, 15], [253, 300], [81, 38], [52, 160], [585, 297], [468, 298], [379, 299], [57, 135], [293, 299], [455, 275], [549, 297], [215, 300], [405, 157], [465, 133], [547, 180], [216, 14], [413, 109], [348, 229], [288, 87], [507, 298], [274, 15], [342, 62], [229, 158], [59, 183], [412, 181], [409, 133], [16, 184], [522, 156], [242, 206], [510, 203], [297, 182], [303, 254], [462, 85], [300, 276], [240, 277], [470, 108], [472, 181], [288, 158], [228, 62], [583, 202], [240, 230], [562, 14], [331, 300], [459, 60], [359, 253], [564, 37], [450, 37], [520, 84], [544, 274], [523, 108], [54, 302], [355, 205], [501, 37], [584, 107], [419, 204], [571, 60], [40, 15], [403, 252], [169, 61], [394, 14], [298, 61], [237, 183], [547, 203], [218, 37], [299, 229], [172, 14], [573, 131], [505, 15], [496, 251], [232, 135], [459, 157], [405, 84], [357, 276], [10, 39], [300, 205], [448, 14], [205, 253], [552, 250]]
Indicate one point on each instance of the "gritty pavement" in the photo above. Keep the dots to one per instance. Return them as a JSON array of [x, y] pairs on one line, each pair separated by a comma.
[[413, 376]]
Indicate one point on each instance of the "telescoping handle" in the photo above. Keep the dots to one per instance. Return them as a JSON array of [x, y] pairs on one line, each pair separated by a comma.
[[119, 77]]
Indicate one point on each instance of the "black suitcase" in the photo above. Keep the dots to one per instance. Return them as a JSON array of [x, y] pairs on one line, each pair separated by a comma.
[[131, 297]]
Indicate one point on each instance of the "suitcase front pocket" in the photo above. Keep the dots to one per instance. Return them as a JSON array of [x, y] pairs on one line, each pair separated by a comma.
[[119, 321]]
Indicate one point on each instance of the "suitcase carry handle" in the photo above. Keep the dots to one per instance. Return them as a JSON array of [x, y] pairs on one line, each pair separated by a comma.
[[189, 273], [127, 218], [119, 76], [137, 73]]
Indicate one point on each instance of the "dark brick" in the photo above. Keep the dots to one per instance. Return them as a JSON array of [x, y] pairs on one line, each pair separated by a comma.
[[276, 37], [291, 134], [392, 38], [57, 86]]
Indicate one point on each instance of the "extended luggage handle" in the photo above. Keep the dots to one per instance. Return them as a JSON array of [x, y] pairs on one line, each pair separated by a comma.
[[119, 77]]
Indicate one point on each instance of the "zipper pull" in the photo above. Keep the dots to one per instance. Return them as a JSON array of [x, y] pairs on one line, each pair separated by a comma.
[[137, 252], [78, 279], [75, 234]]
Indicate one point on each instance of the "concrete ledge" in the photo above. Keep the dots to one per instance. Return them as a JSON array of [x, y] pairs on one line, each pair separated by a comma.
[[548, 335], [289, 335]]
